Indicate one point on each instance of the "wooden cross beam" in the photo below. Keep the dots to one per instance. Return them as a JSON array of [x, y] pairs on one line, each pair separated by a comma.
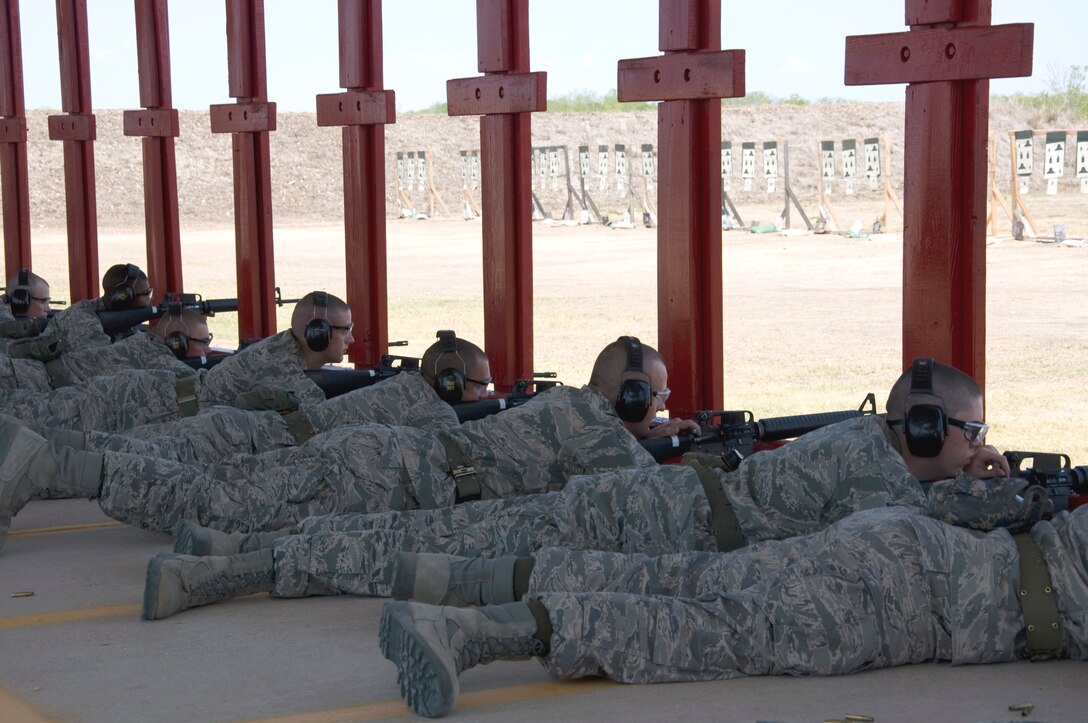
[[362, 110], [947, 59], [157, 125], [690, 79], [76, 130], [14, 182], [249, 121], [504, 97]]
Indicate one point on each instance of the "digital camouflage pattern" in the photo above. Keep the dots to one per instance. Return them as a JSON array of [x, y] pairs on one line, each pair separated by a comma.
[[274, 362], [26, 374], [218, 432], [138, 396], [368, 468], [880, 588], [139, 351], [655, 510], [78, 326]]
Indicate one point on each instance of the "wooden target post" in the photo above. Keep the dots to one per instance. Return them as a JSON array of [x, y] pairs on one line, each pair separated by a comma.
[[946, 59], [504, 97], [690, 80], [13, 160], [77, 131], [362, 111], [157, 126]]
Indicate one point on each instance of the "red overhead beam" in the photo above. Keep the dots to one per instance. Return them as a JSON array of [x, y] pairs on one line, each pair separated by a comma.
[[362, 110], [947, 58], [157, 125], [14, 184], [249, 122], [690, 79], [76, 130], [502, 37]]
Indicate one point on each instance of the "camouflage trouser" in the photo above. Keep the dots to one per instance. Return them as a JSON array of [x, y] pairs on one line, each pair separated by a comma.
[[208, 437], [104, 403], [627, 511], [366, 468], [881, 588]]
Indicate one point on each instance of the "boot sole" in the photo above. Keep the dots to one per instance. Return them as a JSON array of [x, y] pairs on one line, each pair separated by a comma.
[[422, 679], [151, 587]]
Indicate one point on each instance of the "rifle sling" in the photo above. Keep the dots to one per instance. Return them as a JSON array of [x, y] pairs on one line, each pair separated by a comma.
[[462, 470], [723, 519], [1041, 620]]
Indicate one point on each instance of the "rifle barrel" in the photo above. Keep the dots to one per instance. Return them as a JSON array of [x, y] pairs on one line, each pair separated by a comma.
[[774, 429]]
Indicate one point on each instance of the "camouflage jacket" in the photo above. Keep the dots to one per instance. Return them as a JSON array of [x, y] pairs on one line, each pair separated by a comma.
[[78, 326], [536, 447], [275, 362]]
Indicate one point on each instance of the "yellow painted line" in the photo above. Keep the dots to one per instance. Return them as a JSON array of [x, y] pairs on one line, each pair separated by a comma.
[[35, 531], [15, 710], [69, 616], [475, 699]]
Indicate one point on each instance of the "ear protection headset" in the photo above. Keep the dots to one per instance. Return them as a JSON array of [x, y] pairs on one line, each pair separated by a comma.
[[123, 294], [925, 424], [635, 396], [20, 295], [450, 381], [176, 341], [318, 331]]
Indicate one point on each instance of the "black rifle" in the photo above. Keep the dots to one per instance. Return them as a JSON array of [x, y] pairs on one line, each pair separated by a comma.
[[335, 381], [523, 391], [736, 433], [116, 321], [1052, 471]]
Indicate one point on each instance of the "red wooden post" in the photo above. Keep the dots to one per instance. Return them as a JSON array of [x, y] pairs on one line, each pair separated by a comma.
[[14, 185], [690, 78], [158, 126], [249, 121], [77, 131], [504, 96], [947, 59], [362, 110]]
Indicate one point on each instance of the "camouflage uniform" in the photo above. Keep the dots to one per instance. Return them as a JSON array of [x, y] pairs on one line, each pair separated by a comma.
[[368, 468], [139, 351], [78, 326], [5, 311], [275, 362], [880, 588], [215, 433], [800, 488], [138, 396]]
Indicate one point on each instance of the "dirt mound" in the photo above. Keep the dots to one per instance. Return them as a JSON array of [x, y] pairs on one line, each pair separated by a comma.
[[307, 164]]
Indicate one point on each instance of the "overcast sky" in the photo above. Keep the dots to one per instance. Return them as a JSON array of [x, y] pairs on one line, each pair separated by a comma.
[[793, 46]]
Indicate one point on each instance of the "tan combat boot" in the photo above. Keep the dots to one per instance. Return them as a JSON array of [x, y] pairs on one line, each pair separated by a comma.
[[193, 539], [431, 645], [178, 582], [449, 580]]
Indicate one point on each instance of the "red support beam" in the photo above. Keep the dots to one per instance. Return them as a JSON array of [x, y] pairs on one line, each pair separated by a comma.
[[502, 37], [947, 58], [690, 79], [157, 125], [14, 184], [249, 121], [362, 110], [76, 130]]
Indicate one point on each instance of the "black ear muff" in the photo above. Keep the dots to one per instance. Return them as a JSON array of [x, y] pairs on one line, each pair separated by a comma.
[[635, 395], [19, 300], [178, 343], [449, 382], [318, 331], [122, 295], [924, 423]]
